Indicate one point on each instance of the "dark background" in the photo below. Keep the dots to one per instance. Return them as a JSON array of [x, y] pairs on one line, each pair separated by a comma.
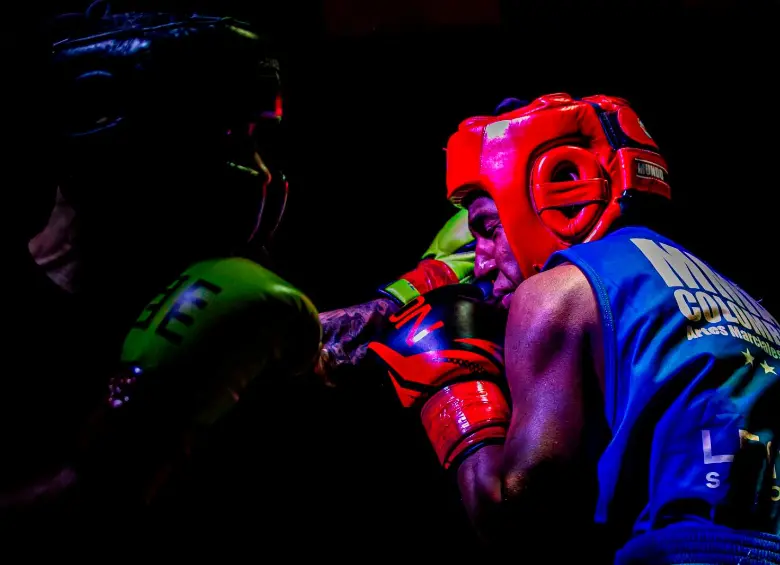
[[373, 89]]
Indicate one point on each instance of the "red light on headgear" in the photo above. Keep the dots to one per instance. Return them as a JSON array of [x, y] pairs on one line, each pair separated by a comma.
[[556, 169]]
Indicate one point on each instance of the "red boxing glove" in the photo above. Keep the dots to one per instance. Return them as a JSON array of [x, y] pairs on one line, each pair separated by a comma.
[[443, 354], [464, 417]]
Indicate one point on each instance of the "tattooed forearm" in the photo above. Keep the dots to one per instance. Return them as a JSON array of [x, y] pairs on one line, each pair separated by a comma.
[[347, 331]]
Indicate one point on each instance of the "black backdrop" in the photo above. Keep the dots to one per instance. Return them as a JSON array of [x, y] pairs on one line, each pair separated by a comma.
[[315, 472], [369, 117]]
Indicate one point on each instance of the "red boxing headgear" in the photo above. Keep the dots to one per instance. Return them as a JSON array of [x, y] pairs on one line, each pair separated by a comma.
[[556, 170]]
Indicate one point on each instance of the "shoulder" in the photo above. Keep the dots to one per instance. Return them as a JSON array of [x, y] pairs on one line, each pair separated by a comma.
[[560, 295], [551, 307]]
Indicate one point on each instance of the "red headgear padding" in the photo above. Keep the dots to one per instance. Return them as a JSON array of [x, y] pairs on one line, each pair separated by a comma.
[[555, 169]]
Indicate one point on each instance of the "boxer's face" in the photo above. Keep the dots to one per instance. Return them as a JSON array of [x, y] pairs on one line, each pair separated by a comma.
[[494, 258]]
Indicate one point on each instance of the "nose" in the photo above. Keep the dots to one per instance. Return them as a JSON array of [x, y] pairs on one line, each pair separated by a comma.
[[484, 261], [502, 285]]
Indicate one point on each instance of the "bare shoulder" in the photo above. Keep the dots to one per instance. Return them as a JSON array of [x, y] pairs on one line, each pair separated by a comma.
[[552, 320], [559, 298]]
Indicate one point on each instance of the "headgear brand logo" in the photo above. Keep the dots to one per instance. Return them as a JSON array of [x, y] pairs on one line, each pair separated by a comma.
[[650, 170]]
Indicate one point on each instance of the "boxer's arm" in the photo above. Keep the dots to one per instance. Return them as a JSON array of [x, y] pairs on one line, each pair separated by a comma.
[[449, 259], [552, 332], [188, 358], [347, 331]]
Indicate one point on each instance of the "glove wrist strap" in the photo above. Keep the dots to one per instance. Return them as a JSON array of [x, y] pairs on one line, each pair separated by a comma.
[[428, 275], [463, 417]]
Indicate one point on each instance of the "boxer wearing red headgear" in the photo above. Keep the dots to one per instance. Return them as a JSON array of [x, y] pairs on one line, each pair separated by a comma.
[[644, 385]]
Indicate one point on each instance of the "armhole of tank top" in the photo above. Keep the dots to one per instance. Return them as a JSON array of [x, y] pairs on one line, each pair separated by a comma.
[[611, 383]]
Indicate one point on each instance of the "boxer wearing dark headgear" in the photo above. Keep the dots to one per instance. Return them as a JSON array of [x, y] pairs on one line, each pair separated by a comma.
[[162, 128], [642, 385]]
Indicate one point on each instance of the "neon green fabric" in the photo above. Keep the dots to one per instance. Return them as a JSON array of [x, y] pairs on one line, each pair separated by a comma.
[[447, 247], [220, 323]]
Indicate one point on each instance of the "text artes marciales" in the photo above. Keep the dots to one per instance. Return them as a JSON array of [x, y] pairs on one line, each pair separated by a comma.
[[704, 297]]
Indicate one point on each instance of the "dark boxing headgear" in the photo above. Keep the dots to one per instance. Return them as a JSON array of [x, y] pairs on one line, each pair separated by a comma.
[[147, 101]]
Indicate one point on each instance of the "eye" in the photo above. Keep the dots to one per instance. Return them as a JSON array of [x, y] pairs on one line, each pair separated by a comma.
[[491, 227], [484, 227], [477, 228]]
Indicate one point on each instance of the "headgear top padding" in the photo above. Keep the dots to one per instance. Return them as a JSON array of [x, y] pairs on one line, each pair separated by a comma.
[[556, 170], [135, 65]]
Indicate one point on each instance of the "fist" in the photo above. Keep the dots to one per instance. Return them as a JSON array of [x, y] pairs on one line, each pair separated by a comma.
[[444, 355], [441, 337], [216, 328]]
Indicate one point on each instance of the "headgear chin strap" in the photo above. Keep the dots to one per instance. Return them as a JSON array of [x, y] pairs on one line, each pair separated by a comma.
[[556, 169]]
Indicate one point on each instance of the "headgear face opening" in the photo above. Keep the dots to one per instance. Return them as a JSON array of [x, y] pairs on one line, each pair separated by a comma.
[[556, 170], [147, 103]]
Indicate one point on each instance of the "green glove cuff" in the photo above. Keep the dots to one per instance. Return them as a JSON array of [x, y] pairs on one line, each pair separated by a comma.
[[401, 291], [451, 238], [448, 260]]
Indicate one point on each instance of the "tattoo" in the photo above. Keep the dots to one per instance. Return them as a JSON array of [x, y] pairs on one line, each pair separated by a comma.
[[347, 331]]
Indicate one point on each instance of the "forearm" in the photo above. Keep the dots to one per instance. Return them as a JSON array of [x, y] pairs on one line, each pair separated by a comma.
[[480, 482], [500, 509], [347, 331]]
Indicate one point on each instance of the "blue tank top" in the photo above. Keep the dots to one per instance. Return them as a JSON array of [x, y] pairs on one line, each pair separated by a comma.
[[692, 392]]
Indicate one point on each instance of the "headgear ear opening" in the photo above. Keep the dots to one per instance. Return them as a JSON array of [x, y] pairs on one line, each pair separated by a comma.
[[569, 191]]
